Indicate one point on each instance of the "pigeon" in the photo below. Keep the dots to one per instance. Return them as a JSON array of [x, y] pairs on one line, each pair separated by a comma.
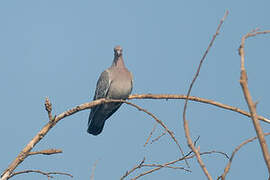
[[116, 82]]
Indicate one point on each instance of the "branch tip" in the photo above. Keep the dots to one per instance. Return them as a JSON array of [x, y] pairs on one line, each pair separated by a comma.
[[48, 105]]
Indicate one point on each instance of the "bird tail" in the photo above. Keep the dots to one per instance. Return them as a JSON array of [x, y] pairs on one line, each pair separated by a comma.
[[98, 117], [95, 128]]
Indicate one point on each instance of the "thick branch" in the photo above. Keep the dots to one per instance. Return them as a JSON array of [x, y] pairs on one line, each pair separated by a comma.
[[250, 103]]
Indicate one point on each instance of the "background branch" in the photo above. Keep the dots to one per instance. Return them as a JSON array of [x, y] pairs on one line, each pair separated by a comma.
[[133, 169], [150, 135], [160, 166], [93, 170], [157, 138], [228, 166], [186, 127], [158, 121], [168, 164]]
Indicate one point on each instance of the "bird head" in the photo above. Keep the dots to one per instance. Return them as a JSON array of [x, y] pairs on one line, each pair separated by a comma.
[[118, 51]]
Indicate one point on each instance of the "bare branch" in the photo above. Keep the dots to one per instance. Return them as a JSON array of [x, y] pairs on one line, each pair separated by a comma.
[[93, 170], [46, 152], [226, 170], [25, 152], [195, 99], [61, 173], [133, 169], [46, 128], [167, 166], [48, 107], [248, 98], [158, 121], [186, 127], [157, 138], [48, 174], [159, 166], [30, 171], [216, 152], [150, 135]]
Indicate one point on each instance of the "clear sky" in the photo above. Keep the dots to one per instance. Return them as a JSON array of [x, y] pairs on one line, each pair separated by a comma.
[[59, 48]]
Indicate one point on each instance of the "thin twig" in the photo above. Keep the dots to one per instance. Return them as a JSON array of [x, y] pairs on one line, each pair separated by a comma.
[[93, 170], [227, 168], [150, 135], [186, 127], [188, 156], [31, 171], [48, 174], [133, 169], [157, 138], [152, 170], [159, 166], [217, 152], [167, 166], [158, 121], [46, 152], [249, 101], [61, 173]]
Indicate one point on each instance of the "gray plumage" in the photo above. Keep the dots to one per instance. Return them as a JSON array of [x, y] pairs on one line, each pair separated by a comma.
[[114, 83]]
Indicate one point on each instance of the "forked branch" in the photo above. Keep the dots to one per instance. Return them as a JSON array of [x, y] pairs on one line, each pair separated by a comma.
[[228, 166]]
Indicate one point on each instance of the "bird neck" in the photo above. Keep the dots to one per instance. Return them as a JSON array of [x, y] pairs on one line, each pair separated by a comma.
[[118, 61]]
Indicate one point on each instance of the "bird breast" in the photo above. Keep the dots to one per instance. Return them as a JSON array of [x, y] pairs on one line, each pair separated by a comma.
[[120, 87]]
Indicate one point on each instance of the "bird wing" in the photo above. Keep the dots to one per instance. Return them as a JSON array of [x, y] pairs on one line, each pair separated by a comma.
[[131, 76], [95, 123], [103, 85], [102, 88]]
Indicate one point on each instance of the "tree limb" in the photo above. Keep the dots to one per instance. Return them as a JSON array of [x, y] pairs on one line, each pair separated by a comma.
[[249, 101], [46, 128]]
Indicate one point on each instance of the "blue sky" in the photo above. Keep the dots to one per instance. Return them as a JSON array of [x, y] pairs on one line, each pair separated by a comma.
[[59, 48]]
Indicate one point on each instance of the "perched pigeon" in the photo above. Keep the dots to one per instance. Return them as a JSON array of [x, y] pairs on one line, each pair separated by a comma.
[[114, 83]]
